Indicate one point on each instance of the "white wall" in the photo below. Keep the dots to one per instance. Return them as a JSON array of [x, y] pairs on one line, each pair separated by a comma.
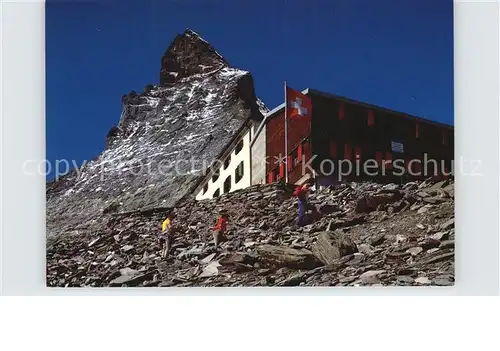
[[243, 155], [258, 155]]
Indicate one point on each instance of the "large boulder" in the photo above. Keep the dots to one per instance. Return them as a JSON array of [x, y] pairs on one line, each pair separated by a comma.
[[282, 256], [331, 246], [370, 203]]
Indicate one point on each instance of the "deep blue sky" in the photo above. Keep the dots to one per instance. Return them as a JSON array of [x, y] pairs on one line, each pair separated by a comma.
[[393, 53]]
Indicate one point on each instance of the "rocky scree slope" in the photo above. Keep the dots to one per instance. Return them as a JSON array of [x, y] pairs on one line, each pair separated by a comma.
[[198, 107], [363, 234]]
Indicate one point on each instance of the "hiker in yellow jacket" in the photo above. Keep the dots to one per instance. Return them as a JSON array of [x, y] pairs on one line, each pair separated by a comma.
[[166, 224], [165, 237]]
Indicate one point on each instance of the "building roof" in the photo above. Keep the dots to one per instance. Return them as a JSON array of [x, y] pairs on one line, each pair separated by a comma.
[[271, 114], [375, 107]]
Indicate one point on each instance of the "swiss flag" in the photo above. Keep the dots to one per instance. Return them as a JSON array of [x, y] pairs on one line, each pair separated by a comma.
[[298, 104]]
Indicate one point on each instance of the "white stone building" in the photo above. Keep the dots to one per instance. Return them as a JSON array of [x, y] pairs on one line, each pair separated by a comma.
[[232, 170], [242, 163]]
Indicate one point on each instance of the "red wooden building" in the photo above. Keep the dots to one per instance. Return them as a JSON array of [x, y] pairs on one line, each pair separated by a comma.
[[344, 129]]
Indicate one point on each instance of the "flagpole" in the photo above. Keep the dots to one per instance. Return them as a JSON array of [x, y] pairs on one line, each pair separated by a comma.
[[286, 138]]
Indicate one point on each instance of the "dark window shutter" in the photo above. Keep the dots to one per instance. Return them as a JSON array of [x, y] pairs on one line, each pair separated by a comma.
[[347, 151], [341, 111], [371, 118], [333, 149]]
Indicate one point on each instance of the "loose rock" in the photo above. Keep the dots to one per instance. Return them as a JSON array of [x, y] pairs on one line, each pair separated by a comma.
[[422, 281], [414, 251], [447, 244], [333, 245], [371, 277], [448, 224], [281, 256]]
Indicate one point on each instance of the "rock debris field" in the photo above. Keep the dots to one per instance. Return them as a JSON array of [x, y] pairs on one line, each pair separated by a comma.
[[363, 234]]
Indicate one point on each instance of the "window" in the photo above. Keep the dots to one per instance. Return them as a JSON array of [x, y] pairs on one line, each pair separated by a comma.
[[333, 150], [270, 178], [306, 150], [289, 163], [347, 152], [429, 168], [216, 193], [299, 152], [371, 118], [378, 157], [238, 173], [357, 152], [276, 174], [227, 184], [417, 130], [282, 170], [397, 147], [388, 160], [205, 188], [417, 168], [341, 111], [294, 158], [239, 146], [215, 176], [227, 162]]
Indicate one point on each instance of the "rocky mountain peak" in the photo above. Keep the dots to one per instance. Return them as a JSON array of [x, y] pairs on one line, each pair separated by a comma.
[[200, 106], [187, 55]]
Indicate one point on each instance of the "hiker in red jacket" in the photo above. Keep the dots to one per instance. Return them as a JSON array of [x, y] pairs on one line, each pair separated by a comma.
[[302, 194], [220, 228]]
